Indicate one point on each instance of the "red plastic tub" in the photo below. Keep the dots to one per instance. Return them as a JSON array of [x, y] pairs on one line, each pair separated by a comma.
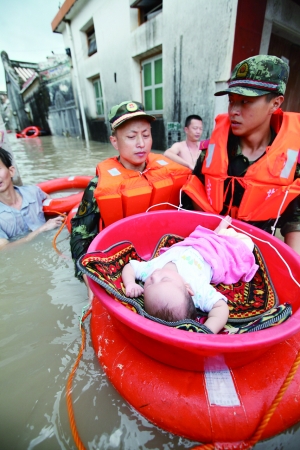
[[193, 351]]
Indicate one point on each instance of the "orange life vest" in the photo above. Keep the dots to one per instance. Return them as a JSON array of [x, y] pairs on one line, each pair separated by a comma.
[[269, 183], [122, 192]]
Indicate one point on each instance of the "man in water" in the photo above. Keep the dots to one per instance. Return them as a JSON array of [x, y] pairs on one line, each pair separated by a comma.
[[21, 208], [187, 152]]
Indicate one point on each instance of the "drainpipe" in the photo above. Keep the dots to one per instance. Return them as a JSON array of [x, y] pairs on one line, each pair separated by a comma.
[[73, 56]]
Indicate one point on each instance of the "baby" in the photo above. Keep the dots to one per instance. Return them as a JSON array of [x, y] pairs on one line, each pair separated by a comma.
[[178, 280]]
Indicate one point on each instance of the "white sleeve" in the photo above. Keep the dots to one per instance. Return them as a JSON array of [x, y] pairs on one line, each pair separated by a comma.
[[205, 298], [142, 269]]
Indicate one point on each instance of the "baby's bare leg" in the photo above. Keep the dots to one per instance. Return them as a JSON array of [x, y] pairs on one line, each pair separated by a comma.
[[223, 224], [217, 317]]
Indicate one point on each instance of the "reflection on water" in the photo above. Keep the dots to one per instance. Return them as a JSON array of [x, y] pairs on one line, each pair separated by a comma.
[[41, 302], [45, 158]]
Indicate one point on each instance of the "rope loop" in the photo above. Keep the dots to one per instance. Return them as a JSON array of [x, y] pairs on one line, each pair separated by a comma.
[[75, 434], [58, 233]]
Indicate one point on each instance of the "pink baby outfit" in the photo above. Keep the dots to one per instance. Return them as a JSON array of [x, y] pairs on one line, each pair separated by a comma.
[[229, 257]]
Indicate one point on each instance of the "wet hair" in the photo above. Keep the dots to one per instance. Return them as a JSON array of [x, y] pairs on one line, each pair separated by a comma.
[[190, 118], [271, 95], [6, 158], [169, 315], [191, 312]]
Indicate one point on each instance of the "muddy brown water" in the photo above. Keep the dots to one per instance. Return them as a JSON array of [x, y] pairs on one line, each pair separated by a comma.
[[41, 303]]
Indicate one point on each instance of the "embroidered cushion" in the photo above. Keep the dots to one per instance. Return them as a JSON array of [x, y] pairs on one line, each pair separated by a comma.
[[252, 305]]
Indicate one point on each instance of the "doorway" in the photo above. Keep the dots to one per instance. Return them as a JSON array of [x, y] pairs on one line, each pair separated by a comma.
[[281, 47]]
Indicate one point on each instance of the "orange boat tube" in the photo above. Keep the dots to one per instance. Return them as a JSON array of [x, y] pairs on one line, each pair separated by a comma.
[[178, 400], [30, 132], [70, 216], [63, 204], [208, 388]]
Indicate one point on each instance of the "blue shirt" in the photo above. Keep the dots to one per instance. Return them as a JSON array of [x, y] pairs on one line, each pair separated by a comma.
[[14, 222]]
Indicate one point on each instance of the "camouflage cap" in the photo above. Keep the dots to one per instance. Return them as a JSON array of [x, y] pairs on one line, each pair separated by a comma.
[[258, 75], [125, 111]]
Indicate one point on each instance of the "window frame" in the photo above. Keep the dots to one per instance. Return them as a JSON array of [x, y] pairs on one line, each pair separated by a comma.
[[147, 13], [100, 97], [90, 33], [153, 84]]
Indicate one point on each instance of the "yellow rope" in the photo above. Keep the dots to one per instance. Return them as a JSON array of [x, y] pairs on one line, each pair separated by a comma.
[[57, 234], [257, 435], [78, 441], [266, 418]]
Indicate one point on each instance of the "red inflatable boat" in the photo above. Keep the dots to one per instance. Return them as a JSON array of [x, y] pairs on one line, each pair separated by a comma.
[[66, 203], [207, 388]]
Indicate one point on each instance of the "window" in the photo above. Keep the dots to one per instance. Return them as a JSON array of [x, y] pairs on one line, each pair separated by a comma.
[[98, 97], [153, 85], [147, 9], [91, 38]]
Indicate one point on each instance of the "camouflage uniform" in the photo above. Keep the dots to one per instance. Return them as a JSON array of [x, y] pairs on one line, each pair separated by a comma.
[[85, 224], [258, 75]]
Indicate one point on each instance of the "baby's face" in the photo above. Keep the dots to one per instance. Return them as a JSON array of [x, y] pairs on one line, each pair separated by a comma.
[[165, 288], [164, 276]]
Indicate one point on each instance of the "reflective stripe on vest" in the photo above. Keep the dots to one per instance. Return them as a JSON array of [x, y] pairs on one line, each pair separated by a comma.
[[266, 181], [210, 154], [292, 156]]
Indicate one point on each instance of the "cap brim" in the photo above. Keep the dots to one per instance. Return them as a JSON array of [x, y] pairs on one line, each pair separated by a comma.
[[130, 116], [248, 92]]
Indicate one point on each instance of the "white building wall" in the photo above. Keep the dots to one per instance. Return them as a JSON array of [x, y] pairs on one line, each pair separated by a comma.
[[197, 49], [145, 41], [195, 38], [120, 43], [112, 27]]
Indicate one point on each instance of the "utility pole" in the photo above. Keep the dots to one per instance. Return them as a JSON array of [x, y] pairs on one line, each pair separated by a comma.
[[73, 57]]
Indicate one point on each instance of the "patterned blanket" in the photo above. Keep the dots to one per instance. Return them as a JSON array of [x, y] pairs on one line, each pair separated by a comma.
[[253, 305]]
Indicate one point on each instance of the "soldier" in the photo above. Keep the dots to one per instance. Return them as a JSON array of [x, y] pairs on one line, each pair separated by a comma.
[[250, 169], [126, 184]]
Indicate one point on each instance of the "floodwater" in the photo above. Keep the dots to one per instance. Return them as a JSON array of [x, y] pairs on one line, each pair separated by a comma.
[[41, 303]]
